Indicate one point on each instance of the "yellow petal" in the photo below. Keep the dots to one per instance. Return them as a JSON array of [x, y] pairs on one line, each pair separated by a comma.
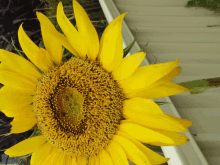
[[156, 121], [132, 151], [117, 153], [69, 160], [146, 75], [164, 90], [62, 159], [11, 101], [94, 160], [18, 64], [39, 56], [42, 153], [160, 121], [86, 30], [141, 106], [43, 58], [73, 160], [185, 123], [48, 31], [24, 121], [19, 81], [72, 35], [153, 157], [57, 155], [105, 158], [82, 160], [177, 70], [26, 146], [50, 157], [166, 78], [128, 66], [153, 136], [111, 48], [9, 89], [53, 40]]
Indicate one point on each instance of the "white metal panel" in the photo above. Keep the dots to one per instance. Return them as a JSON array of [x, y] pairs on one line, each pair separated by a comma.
[[150, 2], [170, 21], [165, 11]]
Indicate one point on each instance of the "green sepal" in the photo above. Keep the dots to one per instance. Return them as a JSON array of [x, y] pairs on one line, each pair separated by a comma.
[[129, 47], [36, 132]]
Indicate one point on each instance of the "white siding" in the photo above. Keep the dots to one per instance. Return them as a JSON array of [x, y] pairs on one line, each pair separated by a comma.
[[175, 32]]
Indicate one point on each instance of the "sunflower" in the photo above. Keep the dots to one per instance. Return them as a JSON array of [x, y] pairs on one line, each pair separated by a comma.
[[93, 109]]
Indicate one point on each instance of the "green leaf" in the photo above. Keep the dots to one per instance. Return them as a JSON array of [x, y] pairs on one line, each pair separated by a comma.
[[128, 48], [199, 86]]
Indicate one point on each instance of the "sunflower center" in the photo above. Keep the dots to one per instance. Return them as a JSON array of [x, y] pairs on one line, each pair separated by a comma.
[[78, 106]]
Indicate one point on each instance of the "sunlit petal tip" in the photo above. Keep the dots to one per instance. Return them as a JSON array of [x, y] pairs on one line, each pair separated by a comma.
[[121, 17], [71, 33], [124, 14], [27, 45], [40, 16], [87, 31], [60, 4], [111, 48], [37, 13]]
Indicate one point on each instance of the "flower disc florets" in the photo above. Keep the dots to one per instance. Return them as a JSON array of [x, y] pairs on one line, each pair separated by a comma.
[[78, 106]]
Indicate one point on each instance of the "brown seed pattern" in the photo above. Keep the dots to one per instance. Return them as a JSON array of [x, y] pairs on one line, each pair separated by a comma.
[[78, 106]]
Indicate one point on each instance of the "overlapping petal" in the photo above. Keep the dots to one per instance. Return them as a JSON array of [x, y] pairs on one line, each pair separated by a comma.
[[39, 56], [19, 82], [105, 158], [147, 113], [111, 48], [128, 66], [153, 157], [152, 136], [86, 31], [164, 90], [26, 146], [146, 75], [53, 40], [50, 158], [117, 153], [72, 35], [141, 106], [11, 101], [42, 153], [24, 119], [94, 160], [18, 64], [132, 151], [82, 160]]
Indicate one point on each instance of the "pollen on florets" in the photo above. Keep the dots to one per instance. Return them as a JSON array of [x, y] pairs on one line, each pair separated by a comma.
[[78, 106]]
